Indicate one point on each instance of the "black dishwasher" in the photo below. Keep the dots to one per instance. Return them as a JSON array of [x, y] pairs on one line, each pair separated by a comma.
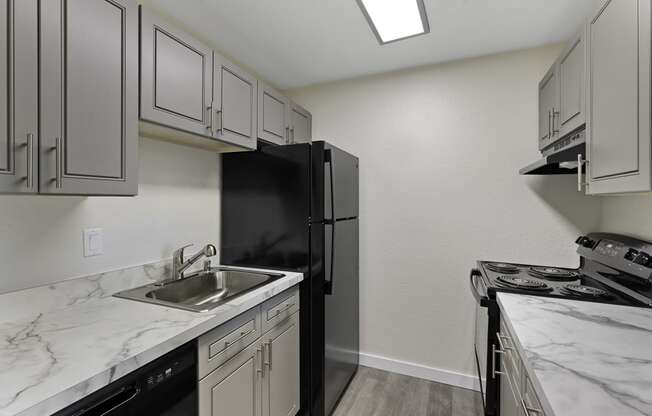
[[164, 387]]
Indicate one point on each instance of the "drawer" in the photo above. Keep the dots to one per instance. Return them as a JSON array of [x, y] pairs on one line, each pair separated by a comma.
[[279, 308], [227, 340]]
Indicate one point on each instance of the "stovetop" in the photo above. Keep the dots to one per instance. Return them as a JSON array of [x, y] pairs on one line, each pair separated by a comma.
[[549, 281]]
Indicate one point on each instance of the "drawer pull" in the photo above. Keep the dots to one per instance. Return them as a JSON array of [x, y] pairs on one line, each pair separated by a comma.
[[280, 311], [243, 334]]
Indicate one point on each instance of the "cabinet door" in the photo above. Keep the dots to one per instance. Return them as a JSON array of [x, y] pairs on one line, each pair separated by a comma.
[[572, 78], [548, 96], [89, 97], [234, 100], [234, 389], [176, 77], [19, 96], [273, 117], [300, 124], [619, 98], [509, 405], [281, 364]]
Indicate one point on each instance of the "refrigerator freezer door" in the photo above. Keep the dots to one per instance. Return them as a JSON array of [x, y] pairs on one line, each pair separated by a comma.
[[340, 184], [341, 309]]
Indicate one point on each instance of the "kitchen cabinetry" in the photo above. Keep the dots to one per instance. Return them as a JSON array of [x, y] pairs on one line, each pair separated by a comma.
[[176, 76], [273, 115], [234, 104], [618, 139], [260, 375], [548, 107], [19, 96], [88, 120], [572, 82], [517, 396], [300, 124]]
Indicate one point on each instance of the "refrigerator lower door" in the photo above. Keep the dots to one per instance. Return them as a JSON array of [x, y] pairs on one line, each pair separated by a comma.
[[341, 309]]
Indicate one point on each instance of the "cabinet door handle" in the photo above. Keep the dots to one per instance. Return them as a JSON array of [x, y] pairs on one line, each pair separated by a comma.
[[581, 162], [292, 131], [209, 125], [58, 154], [221, 120], [30, 160], [555, 116], [269, 353], [287, 135], [549, 130], [259, 370]]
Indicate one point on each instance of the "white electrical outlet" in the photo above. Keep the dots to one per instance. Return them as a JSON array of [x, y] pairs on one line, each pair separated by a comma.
[[93, 242]]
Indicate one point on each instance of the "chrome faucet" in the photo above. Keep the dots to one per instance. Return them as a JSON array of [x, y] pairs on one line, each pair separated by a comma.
[[179, 265]]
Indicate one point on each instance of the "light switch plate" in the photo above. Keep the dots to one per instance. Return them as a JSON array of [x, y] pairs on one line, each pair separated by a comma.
[[93, 242]]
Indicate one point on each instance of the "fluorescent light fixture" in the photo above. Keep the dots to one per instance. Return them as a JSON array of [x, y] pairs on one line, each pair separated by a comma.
[[393, 20]]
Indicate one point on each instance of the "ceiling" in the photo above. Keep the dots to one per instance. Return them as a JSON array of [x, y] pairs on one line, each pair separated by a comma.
[[293, 43]]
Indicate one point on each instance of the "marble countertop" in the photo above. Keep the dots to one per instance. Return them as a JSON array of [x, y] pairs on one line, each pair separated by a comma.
[[584, 358], [59, 343]]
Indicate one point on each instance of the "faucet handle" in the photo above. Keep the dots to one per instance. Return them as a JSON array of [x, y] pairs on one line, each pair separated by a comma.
[[179, 253]]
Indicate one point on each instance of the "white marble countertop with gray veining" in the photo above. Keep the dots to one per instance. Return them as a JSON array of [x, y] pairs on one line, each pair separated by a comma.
[[583, 358], [59, 343]]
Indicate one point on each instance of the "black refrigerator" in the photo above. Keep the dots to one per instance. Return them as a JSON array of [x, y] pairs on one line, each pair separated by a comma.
[[295, 208]]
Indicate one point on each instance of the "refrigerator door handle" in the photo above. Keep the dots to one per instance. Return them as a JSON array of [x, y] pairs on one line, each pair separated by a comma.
[[328, 159], [328, 285]]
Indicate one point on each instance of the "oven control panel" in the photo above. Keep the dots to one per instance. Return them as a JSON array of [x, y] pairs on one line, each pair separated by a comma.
[[622, 253]]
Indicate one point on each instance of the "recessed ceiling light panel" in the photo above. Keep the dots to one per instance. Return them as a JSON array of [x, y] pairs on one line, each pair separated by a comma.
[[393, 20]]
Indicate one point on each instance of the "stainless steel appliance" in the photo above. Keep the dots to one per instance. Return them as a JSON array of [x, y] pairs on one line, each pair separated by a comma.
[[165, 387], [295, 208], [613, 269]]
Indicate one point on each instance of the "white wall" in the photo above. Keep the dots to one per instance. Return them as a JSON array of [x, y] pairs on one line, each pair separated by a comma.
[[178, 203], [440, 148], [628, 214]]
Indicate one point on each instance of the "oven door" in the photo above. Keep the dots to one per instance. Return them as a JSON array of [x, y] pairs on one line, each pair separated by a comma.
[[481, 330]]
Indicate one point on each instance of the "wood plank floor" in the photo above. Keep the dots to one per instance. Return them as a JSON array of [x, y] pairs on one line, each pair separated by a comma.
[[379, 393]]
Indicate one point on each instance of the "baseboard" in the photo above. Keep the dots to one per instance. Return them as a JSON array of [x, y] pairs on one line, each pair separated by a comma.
[[420, 371]]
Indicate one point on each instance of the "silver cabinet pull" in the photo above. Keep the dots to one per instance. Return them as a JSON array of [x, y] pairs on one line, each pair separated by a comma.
[[259, 370], [209, 125], [221, 120], [287, 134], [494, 351], [30, 160], [581, 162], [280, 311], [269, 353], [549, 130], [243, 334], [555, 116], [292, 131], [58, 144]]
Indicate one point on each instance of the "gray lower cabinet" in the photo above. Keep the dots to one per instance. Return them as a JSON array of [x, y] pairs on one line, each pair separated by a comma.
[[234, 389], [243, 373], [273, 115], [618, 98], [300, 124], [19, 96], [572, 80], [281, 376], [234, 110], [88, 97], [176, 77]]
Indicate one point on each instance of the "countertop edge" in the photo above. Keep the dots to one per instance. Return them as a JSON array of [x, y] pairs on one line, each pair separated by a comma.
[[72, 394]]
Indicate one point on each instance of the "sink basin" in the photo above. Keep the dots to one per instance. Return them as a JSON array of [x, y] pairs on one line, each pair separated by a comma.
[[203, 291]]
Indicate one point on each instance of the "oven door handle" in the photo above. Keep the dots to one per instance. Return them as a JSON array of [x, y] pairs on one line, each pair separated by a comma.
[[482, 299]]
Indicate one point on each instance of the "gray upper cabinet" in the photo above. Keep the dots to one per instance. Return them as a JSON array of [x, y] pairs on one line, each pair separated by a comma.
[[89, 97], [273, 115], [618, 98], [176, 77], [300, 124], [281, 388], [234, 116], [19, 96], [548, 107], [572, 79]]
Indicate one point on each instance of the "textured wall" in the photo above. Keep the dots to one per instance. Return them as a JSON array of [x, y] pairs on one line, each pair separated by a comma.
[[440, 148]]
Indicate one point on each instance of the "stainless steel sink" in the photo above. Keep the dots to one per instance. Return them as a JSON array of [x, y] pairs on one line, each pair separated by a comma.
[[202, 291]]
